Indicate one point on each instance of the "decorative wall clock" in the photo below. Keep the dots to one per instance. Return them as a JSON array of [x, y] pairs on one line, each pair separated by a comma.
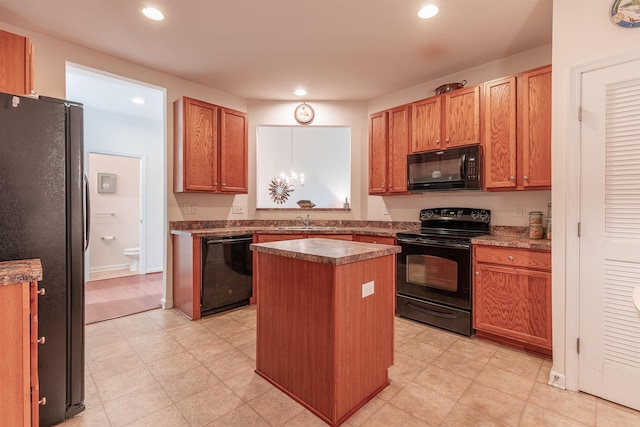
[[626, 13], [304, 113]]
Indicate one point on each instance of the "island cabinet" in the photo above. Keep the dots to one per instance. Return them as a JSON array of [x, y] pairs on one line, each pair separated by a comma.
[[325, 322], [210, 148], [19, 393], [389, 133], [517, 131], [16, 64], [381, 240], [446, 121], [512, 297]]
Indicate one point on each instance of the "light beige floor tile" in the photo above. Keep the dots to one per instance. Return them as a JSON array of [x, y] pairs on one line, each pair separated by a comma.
[[407, 328], [224, 326], [131, 381], [463, 416], [91, 395], [99, 328], [421, 351], [578, 406], [500, 406], [114, 365], [437, 337], [169, 348], [230, 364], [120, 348], [167, 417], [535, 416], [243, 339], [132, 407], [506, 382], [192, 338], [109, 336], [517, 362], [450, 360], [423, 403], [276, 407], [248, 385], [474, 349], [544, 372], [212, 350], [173, 365], [189, 383], [306, 419], [609, 414], [443, 381], [167, 318], [137, 325], [406, 366], [94, 416], [396, 383], [363, 414], [399, 341], [153, 339], [208, 405], [391, 416], [250, 352], [241, 416]]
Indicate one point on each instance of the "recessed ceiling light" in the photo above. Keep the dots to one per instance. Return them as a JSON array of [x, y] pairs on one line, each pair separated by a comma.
[[429, 11], [152, 13], [137, 100], [300, 92]]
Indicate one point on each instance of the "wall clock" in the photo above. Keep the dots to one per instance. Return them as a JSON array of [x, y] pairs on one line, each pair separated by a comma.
[[626, 13], [304, 113]]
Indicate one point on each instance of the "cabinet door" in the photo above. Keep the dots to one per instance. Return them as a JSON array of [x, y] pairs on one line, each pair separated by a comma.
[[536, 129], [263, 238], [16, 64], [399, 126], [378, 153], [513, 303], [462, 117], [500, 134], [381, 240], [199, 147], [233, 151], [347, 237], [426, 124]]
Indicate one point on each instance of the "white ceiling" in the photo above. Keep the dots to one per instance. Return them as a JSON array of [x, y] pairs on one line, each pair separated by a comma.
[[264, 49]]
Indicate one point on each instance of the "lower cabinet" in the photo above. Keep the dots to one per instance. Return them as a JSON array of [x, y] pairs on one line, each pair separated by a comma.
[[512, 297], [381, 240]]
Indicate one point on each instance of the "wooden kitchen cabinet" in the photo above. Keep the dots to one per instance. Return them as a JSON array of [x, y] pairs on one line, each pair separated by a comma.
[[16, 64], [19, 394], [211, 144], [517, 131], [381, 240], [446, 121], [389, 133], [512, 297]]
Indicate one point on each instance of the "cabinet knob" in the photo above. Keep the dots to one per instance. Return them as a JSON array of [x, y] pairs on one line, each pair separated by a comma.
[[510, 257], [512, 178], [446, 140], [224, 184], [437, 141], [526, 178], [215, 184], [389, 185], [42, 401], [40, 291], [42, 340], [477, 273], [382, 185]]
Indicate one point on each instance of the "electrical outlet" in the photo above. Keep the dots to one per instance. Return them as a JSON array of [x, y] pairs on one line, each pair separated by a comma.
[[194, 209], [237, 208], [367, 289], [186, 209], [517, 210]]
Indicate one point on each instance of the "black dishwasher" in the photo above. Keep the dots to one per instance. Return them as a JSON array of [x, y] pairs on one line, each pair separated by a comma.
[[227, 271]]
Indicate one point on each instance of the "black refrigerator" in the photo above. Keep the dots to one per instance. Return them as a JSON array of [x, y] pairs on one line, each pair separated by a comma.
[[43, 212]]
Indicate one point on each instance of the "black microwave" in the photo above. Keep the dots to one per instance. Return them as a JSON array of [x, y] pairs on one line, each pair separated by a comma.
[[453, 169]]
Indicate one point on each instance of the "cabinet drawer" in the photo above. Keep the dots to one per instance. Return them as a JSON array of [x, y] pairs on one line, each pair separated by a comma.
[[539, 260]]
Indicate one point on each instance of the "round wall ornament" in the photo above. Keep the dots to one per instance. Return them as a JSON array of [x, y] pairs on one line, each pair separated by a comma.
[[304, 113], [626, 13], [279, 191]]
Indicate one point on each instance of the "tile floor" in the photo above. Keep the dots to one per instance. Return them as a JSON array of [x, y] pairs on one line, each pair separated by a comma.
[[159, 369]]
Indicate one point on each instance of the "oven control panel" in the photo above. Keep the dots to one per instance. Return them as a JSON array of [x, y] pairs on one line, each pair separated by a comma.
[[456, 214]]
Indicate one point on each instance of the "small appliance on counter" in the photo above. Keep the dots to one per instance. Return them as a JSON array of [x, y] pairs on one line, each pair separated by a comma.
[[434, 268]]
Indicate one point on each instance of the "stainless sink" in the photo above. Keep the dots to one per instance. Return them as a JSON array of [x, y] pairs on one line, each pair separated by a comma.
[[302, 227]]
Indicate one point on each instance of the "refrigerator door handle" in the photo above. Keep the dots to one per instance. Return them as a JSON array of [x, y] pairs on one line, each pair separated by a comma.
[[86, 212]]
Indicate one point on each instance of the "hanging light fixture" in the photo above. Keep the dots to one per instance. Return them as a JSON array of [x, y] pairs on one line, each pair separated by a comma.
[[293, 179]]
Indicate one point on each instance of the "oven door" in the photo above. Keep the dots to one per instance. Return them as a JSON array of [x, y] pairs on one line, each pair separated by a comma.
[[435, 271]]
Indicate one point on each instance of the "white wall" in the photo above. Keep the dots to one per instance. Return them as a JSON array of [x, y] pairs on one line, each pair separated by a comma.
[[576, 42], [114, 214]]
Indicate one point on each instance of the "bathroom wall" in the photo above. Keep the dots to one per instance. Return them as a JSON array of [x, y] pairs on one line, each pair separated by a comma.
[[115, 217]]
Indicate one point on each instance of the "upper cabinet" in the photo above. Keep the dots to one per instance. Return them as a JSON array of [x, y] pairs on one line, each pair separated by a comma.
[[210, 148], [16, 64], [446, 121], [517, 131], [389, 133]]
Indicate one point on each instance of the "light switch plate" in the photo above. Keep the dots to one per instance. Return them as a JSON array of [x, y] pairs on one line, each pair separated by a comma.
[[367, 289], [237, 208]]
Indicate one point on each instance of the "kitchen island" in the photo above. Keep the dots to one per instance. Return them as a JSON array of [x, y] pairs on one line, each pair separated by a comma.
[[325, 321]]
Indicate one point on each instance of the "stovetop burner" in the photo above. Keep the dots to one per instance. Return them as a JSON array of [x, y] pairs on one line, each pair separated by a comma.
[[453, 223]]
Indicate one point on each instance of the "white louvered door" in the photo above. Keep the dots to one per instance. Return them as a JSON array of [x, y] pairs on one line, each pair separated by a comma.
[[610, 233]]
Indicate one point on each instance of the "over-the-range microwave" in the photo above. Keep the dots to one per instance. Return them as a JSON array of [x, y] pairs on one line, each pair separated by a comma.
[[453, 169]]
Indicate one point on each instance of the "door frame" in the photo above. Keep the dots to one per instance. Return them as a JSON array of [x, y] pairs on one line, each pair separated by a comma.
[[570, 379]]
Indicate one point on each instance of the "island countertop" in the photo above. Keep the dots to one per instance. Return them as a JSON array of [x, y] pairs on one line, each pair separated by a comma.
[[24, 270], [325, 251]]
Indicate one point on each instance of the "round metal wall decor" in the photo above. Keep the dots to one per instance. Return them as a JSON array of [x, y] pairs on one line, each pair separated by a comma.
[[626, 13], [279, 191]]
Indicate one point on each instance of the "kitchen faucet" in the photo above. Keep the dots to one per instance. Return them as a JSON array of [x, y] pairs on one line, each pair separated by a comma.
[[306, 221]]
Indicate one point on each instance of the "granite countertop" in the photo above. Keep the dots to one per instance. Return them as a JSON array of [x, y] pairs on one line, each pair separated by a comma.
[[24, 270], [325, 251], [512, 242], [339, 229]]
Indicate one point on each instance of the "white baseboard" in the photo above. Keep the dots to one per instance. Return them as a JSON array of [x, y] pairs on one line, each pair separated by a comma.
[[557, 380], [166, 303], [154, 270], [108, 268]]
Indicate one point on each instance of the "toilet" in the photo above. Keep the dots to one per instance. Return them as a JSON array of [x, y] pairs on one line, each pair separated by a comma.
[[134, 256]]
